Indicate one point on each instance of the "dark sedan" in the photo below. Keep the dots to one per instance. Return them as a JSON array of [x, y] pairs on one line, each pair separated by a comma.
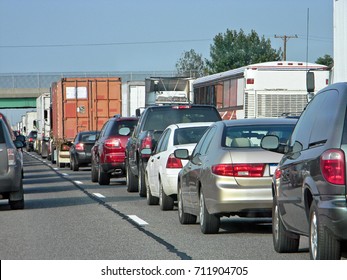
[[80, 151]]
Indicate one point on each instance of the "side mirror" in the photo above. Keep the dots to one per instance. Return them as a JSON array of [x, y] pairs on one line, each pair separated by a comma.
[[270, 142], [181, 154], [146, 151], [310, 82]]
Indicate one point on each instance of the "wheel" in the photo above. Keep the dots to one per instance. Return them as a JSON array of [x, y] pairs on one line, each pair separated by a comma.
[[16, 199], [132, 182], [209, 223], [17, 204], [141, 179], [103, 177], [94, 173], [283, 241], [184, 218], [151, 200], [74, 166], [166, 202], [323, 246]]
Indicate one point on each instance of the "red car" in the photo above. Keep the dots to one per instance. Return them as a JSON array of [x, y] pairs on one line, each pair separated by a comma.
[[108, 152]]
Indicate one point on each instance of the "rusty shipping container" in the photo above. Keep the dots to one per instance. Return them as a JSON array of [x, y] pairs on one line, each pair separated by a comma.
[[81, 104]]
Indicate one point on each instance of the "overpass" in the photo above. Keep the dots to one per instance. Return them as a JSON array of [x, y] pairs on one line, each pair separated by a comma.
[[21, 90]]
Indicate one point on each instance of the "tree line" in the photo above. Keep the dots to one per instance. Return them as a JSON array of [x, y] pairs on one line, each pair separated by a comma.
[[231, 50]]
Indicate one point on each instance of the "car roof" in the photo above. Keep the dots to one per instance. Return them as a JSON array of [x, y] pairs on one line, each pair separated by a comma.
[[184, 125], [259, 121]]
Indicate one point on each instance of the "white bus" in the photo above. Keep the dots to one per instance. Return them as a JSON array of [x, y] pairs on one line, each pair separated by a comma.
[[270, 89]]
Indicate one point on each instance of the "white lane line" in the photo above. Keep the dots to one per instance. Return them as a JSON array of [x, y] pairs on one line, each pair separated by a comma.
[[98, 195], [137, 220], [64, 174], [78, 182]]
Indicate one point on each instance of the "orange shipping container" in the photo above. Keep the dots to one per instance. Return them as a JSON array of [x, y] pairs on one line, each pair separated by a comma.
[[80, 104]]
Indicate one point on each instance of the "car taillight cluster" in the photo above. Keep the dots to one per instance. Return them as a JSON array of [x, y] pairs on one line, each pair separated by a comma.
[[239, 170], [11, 157], [146, 143], [65, 147], [332, 164], [113, 143], [173, 162], [79, 147]]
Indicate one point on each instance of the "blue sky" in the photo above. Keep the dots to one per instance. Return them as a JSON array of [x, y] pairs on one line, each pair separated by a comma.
[[148, 35]]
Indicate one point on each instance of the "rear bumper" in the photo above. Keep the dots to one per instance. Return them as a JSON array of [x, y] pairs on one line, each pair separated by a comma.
[[11, 181]]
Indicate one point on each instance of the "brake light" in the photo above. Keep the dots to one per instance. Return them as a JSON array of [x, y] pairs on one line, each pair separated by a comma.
[[146, 143], [278, 173], [332, 164], [173, 162], [79, 147], [239, 170], [31, 139], [112, 143], [65, 147], [250, 81], [11, 157], [181, 107]]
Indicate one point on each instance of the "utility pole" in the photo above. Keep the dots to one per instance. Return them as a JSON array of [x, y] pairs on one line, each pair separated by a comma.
[[285, 39]]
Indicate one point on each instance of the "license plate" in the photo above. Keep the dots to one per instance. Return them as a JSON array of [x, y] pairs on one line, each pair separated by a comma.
[[273, 167]]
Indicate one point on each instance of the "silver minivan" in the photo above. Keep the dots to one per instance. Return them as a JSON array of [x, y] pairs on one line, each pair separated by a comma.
[[11, 166]]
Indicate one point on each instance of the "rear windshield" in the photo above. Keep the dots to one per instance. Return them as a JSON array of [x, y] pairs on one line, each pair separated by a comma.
[[89, 137], [250, 136], [122, 124], [159, 119], [188, 135]]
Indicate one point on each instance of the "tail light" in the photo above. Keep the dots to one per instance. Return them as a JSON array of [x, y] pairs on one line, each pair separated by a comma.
[[146, 143], [173, 162], [332, 164], [11, 157], [112, 143], [239, 170], [79, 147], [31, 139], [65, 147]]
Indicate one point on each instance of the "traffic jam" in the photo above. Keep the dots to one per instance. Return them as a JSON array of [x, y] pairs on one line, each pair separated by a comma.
[[208, 157]]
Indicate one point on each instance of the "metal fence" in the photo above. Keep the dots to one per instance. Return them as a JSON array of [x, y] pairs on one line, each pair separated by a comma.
[[44, 80]]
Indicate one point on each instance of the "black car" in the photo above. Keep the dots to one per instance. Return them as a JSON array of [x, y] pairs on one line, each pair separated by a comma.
[[309, 186], [30, 140], [80, 151]]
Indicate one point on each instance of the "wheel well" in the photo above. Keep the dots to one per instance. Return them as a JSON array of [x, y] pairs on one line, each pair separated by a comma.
[[308, 198]]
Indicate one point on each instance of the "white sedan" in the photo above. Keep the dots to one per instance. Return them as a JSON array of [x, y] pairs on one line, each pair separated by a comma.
[[163, 168]]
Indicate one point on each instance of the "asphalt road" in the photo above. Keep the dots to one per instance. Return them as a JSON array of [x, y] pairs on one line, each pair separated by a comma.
[[67, 217]]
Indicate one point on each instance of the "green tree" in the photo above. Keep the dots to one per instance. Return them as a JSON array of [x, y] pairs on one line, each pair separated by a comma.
[[326, 60], [236, 49], [191, 64]]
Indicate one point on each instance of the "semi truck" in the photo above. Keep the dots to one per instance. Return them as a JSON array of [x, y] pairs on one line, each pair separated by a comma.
[[80, 104], [43, 124]]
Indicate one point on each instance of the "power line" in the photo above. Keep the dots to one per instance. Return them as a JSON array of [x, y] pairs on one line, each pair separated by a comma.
[[285, 40], [103, 44]]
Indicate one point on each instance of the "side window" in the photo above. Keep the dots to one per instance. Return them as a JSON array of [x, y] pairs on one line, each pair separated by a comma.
[[205, 141], [103, 129], [164, 139], [205, 146], [303, 128]]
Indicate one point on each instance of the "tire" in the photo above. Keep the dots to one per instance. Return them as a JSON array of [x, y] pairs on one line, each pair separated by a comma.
[[132, 182], [17, 204], [94, 173], [184, 218], [103, 177], [283, 241], [322, 245], [209, 223], [74, 166], [151, 200], [141, 179], [166, 202]]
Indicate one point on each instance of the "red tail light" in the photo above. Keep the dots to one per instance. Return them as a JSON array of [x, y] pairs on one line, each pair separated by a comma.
[[112, 143], [65, 147], [332, 164], [31, 139], [173, 162], [79, 147], [278, 173], [146, 143], [239, 170]]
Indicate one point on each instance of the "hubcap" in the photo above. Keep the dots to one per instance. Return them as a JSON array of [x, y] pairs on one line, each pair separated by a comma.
[[314, 235], [276, 223]]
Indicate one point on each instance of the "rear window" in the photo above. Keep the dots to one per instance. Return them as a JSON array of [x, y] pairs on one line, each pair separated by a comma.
[[88, 137], [188, 135], [116, 126], [250, 136], [159, 119]]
